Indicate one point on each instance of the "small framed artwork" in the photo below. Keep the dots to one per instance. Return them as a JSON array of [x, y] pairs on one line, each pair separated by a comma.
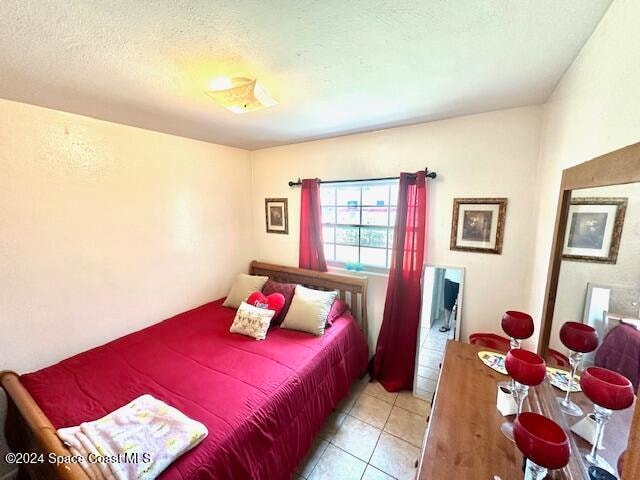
[[478, 224], [594, 228], [276, 215]]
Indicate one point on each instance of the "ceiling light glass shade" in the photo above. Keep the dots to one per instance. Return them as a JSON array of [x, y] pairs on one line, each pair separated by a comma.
[[240, 94]]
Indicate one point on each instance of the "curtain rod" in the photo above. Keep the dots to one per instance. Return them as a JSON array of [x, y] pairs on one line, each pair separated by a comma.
[[299, 182]]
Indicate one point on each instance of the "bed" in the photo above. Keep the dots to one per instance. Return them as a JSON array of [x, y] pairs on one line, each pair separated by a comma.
[[262, 401]]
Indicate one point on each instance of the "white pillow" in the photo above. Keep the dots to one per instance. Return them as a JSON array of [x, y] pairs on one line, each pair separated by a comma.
[[309, 310], [252, 321], [243, 286]]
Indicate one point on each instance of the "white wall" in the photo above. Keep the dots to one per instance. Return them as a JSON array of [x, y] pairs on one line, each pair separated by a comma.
[[105, 229], [593, 110], [487, 155]]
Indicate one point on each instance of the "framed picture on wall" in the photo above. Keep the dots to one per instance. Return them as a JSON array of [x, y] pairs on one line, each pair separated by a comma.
[[593, 230], [276, 215], [478, 224]]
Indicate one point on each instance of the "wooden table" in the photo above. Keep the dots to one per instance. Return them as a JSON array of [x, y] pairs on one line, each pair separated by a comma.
[[464, 441]]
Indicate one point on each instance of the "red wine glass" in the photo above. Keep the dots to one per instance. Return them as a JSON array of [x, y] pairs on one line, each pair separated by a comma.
[[518, 326], [609, 391], [527, 370], [580, 338], [543, 442]]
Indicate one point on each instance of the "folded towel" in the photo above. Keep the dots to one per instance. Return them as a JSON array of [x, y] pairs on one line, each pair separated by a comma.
[[137, 441]]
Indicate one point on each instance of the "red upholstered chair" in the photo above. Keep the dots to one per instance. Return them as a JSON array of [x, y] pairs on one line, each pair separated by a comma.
[[490, 340], [556, 359]]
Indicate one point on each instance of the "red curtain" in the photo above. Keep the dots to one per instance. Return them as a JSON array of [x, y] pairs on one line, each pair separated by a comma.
[[311, 247], [394, 362]]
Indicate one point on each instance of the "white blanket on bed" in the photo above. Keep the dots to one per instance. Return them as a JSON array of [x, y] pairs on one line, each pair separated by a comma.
[[137, 441]]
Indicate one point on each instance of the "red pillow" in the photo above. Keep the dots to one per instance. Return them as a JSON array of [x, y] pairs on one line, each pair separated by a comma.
[[274, 302], [287, 290], [338, 307]]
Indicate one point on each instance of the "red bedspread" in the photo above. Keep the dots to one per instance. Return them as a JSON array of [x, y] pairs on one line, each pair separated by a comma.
[[262, 401]]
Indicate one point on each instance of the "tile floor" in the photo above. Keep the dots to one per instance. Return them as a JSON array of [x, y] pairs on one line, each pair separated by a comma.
[[372, 435], [432, 343]]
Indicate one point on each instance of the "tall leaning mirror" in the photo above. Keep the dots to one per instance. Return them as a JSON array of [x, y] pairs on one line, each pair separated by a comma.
[[440, 320], [591, 319]]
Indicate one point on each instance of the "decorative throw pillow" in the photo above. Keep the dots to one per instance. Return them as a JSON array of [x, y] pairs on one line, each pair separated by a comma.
[[274, 302], [338, 307], [252, 321], [309, 310], [286, 289], [242, 287]]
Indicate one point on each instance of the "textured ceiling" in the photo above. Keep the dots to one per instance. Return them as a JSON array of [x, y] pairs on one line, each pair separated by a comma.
[[335, 66]]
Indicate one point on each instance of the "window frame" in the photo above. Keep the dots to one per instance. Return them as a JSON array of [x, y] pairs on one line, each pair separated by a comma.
[[389, 229]]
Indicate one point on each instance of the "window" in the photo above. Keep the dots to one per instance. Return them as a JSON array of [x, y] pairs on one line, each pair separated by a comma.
[[358, 220]]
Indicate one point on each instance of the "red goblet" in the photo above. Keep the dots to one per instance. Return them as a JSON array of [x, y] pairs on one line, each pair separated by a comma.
[[608, 390], [543, 443], [527, 370], [579, 338], [518, 325]]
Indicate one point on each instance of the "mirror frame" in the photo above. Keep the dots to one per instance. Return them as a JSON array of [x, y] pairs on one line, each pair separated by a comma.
[[614, 168]]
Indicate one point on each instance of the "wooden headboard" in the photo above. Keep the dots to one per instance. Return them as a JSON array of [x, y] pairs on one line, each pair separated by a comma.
[[352, 289]]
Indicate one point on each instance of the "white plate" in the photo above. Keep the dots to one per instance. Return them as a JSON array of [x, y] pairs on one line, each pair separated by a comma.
[[493, 360], [560, 379]]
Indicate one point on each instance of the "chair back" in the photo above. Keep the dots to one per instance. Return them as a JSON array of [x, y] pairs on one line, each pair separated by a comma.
[[556, 359], [490, 340]]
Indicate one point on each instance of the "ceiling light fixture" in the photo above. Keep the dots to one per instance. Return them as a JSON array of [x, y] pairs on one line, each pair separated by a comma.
[[239, 94]]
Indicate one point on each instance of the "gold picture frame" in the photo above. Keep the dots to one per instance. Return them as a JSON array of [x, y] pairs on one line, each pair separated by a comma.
[[593, 229], [276, 214], [477, 224]]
